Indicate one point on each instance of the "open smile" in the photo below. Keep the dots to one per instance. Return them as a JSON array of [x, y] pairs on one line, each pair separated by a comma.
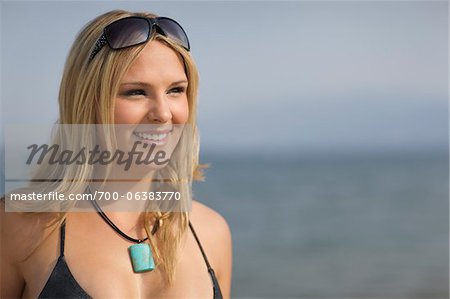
[[156, 137]]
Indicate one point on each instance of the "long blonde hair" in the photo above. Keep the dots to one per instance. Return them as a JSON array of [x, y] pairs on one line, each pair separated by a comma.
[[86, 97]]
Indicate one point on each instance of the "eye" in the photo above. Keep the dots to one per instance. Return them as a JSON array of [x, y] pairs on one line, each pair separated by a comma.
[[178, 89], [134, 92]]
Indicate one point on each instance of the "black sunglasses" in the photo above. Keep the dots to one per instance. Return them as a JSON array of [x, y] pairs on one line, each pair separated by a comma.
[[133, 31]]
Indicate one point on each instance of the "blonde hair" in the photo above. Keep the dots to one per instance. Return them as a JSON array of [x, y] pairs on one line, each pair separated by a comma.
[[85, 97]]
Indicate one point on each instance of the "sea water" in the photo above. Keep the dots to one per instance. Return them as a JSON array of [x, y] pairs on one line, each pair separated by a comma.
[[334, 226]]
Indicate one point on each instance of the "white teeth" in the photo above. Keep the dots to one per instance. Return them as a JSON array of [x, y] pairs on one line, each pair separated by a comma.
[[154, 137]]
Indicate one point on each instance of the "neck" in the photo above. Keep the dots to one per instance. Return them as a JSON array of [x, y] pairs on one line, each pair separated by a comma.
[[120, 191]]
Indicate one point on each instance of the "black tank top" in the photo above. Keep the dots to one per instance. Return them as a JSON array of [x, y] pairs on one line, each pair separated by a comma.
[[62, 284]]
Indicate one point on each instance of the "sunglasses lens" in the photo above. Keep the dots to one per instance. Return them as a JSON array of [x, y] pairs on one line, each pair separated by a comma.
[[174, 31], [127, 32]]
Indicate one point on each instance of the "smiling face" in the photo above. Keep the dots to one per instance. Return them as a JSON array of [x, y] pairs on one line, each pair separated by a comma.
[[151, 105]]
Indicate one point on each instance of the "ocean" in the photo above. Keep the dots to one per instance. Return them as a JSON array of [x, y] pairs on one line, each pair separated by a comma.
[[334, 226]]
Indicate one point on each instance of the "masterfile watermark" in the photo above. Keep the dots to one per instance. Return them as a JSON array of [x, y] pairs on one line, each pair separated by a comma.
[[97, 195], [96, 156]]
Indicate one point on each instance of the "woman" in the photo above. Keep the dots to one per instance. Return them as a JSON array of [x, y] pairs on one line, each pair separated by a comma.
[[132, 70]]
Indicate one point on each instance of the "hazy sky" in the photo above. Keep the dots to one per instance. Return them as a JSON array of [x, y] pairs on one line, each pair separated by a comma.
[[295, 76]]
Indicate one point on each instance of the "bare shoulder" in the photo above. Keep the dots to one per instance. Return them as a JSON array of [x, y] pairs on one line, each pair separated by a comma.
[[209, 223], [21, 232], [215, 235]]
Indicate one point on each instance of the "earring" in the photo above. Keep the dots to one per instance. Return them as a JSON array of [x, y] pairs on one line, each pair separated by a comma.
[[158, 222]]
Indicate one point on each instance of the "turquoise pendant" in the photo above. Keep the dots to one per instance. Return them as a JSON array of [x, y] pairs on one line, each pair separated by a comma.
[[141, 257]]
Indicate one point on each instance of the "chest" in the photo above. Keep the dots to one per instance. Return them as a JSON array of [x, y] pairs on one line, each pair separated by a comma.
[[101, 266]]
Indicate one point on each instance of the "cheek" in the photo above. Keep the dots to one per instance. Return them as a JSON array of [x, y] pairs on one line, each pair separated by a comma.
[[127, 112], [180, 112]]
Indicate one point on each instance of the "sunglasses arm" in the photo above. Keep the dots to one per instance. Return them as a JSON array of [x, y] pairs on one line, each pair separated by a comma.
[[98, 46]]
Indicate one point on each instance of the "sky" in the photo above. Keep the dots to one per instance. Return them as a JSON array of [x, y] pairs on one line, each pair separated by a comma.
[[274, 76]]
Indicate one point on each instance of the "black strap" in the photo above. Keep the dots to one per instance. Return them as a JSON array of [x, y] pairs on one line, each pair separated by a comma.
[[216, 286], [62, 238], [201, 248]]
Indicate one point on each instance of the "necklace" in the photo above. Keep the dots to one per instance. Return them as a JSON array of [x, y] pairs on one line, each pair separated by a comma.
[[140, 253]]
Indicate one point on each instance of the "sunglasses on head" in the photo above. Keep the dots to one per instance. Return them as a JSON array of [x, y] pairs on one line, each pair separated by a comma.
[[133, 31]]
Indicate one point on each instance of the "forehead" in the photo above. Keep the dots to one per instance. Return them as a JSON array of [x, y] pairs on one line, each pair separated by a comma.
[[156, 62]]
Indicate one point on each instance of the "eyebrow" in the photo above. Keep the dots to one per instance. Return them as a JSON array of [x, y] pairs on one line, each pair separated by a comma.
[[148, 84]]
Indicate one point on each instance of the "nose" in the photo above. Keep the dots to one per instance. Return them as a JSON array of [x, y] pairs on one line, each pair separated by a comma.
[[159, 110]]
